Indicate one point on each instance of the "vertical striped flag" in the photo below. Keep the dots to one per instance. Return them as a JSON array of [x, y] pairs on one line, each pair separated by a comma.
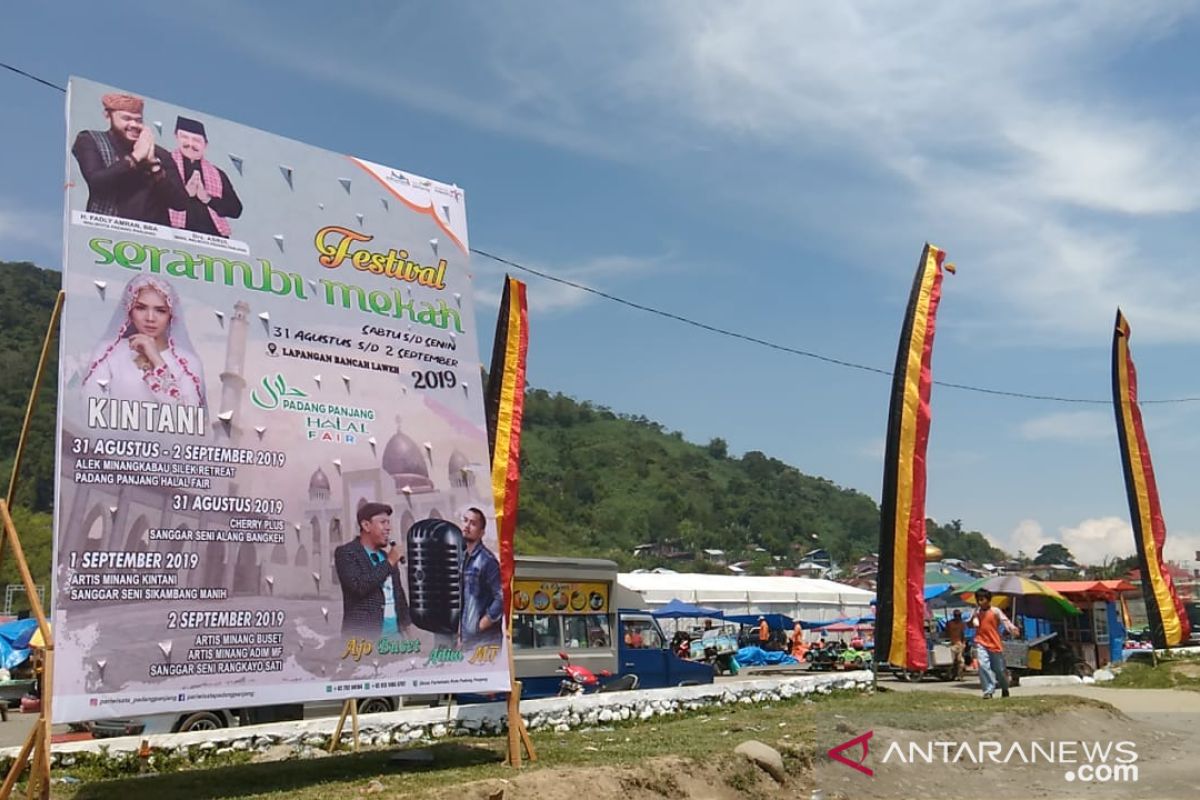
[[1168, 621], [504, 408], [900, 586]]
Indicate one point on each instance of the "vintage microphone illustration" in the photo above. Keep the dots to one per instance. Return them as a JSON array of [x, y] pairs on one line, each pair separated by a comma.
[[435, 565]]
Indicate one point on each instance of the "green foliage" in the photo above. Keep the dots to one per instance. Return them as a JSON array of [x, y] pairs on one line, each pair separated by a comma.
[[958, 543], [594, 482], [1054, 553], [26, 298], [599, 483], [37, 541]]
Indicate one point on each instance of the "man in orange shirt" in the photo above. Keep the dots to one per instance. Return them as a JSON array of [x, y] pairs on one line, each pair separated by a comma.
[[799, 648], [989, 651], [764, 632]]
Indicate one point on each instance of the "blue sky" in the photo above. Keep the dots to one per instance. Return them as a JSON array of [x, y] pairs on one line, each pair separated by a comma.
[[768, 167]]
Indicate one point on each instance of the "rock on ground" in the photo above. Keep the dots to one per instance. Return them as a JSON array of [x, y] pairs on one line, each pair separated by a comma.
[[764, 756]]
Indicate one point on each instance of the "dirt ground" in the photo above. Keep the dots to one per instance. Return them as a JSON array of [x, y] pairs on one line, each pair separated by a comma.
[[727, 779], [1164, 748], [1165, 741]]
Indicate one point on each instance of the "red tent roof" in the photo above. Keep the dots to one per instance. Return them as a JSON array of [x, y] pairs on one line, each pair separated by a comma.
[[1176, 573], [1105, 589]]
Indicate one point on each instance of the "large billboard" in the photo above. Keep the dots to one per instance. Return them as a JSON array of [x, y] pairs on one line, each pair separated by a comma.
[[273, 463]]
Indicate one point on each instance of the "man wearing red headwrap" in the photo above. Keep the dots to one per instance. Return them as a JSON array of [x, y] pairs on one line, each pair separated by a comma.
[[123, 167]]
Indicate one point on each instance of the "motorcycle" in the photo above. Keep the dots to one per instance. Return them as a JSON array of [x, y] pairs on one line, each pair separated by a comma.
[[578, 680]]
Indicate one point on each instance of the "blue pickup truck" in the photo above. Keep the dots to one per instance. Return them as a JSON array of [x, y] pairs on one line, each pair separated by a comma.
[[639, 649]]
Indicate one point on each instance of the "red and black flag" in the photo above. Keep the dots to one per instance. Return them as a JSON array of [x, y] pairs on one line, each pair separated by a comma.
[[504, 408], [1168, 621], [900, 586]]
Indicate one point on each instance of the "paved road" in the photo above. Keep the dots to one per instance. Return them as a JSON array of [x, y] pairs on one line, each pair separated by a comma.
[[1135, 703], [13, 732]]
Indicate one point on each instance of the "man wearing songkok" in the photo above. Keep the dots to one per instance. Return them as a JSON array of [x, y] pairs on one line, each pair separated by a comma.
[[210, 201]]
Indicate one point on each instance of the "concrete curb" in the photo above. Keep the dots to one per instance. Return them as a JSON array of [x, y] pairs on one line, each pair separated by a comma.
[[308, 737]]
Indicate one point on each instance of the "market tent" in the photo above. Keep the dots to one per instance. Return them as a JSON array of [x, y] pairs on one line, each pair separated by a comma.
[[839, 627], [796, 598], [932, 591], [775, 622], [677, 609], [1105, 590]]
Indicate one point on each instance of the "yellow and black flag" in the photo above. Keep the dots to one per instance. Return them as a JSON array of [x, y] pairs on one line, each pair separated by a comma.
[[900, 586], [505, 409], [1168, 621]]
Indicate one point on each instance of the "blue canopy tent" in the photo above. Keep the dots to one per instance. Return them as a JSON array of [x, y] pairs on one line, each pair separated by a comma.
[[14, 642], [933, 591], [677, 609], [775, 621]]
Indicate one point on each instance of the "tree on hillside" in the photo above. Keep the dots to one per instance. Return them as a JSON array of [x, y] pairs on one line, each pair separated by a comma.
[[717, 448], [955, 542], [1053, 553]]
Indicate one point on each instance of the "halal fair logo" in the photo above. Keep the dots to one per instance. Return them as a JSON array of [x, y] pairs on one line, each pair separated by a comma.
[[274, 390]]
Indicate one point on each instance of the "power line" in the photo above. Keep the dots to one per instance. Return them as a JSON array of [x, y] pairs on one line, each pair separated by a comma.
[[735, 334], [25, 74], [795, 350]]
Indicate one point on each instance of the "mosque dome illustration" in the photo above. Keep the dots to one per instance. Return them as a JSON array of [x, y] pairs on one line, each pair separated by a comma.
[[404, 460], [458, 471], [318, 484]]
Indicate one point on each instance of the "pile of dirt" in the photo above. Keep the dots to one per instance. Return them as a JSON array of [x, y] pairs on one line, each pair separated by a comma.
[[728, 778], [1164, 759]]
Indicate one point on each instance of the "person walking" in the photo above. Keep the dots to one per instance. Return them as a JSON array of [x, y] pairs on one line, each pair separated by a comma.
[[956, 633], [989, 651]]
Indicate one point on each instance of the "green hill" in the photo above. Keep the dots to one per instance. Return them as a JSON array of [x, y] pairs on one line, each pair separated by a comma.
[[600, 483], [594, 482]]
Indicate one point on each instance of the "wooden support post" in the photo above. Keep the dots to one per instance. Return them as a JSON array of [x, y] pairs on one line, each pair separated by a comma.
[[349, 709], [37, 745], [518, 735], [18, 765], [39, 741]]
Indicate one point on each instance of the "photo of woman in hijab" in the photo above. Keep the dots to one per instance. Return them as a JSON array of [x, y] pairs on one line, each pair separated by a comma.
[[146, 353]]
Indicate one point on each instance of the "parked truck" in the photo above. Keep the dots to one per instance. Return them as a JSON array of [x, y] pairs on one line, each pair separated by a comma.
[[576, 606]]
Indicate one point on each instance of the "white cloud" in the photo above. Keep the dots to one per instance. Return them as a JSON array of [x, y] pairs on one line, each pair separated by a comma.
[[1093, 541], [996, 129], [1028, 537], [1096, 540], [1069, 426]]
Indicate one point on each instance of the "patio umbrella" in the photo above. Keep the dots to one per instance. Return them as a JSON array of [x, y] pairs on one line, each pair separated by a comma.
[[1037, 599]]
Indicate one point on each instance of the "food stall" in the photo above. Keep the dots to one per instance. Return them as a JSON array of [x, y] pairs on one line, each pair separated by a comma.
[[1098, 634]]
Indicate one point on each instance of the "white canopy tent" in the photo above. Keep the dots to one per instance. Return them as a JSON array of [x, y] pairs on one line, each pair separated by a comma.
[[808, 599]]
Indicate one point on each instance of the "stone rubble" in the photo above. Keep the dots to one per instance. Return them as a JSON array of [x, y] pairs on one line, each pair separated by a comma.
[[310, 738]]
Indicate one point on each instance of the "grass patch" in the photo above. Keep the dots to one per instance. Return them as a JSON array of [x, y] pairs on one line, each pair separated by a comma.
[[1183, 673], [792, 727]]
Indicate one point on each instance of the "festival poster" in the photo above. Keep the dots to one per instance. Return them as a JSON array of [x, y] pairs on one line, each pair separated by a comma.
[[273, 462]]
